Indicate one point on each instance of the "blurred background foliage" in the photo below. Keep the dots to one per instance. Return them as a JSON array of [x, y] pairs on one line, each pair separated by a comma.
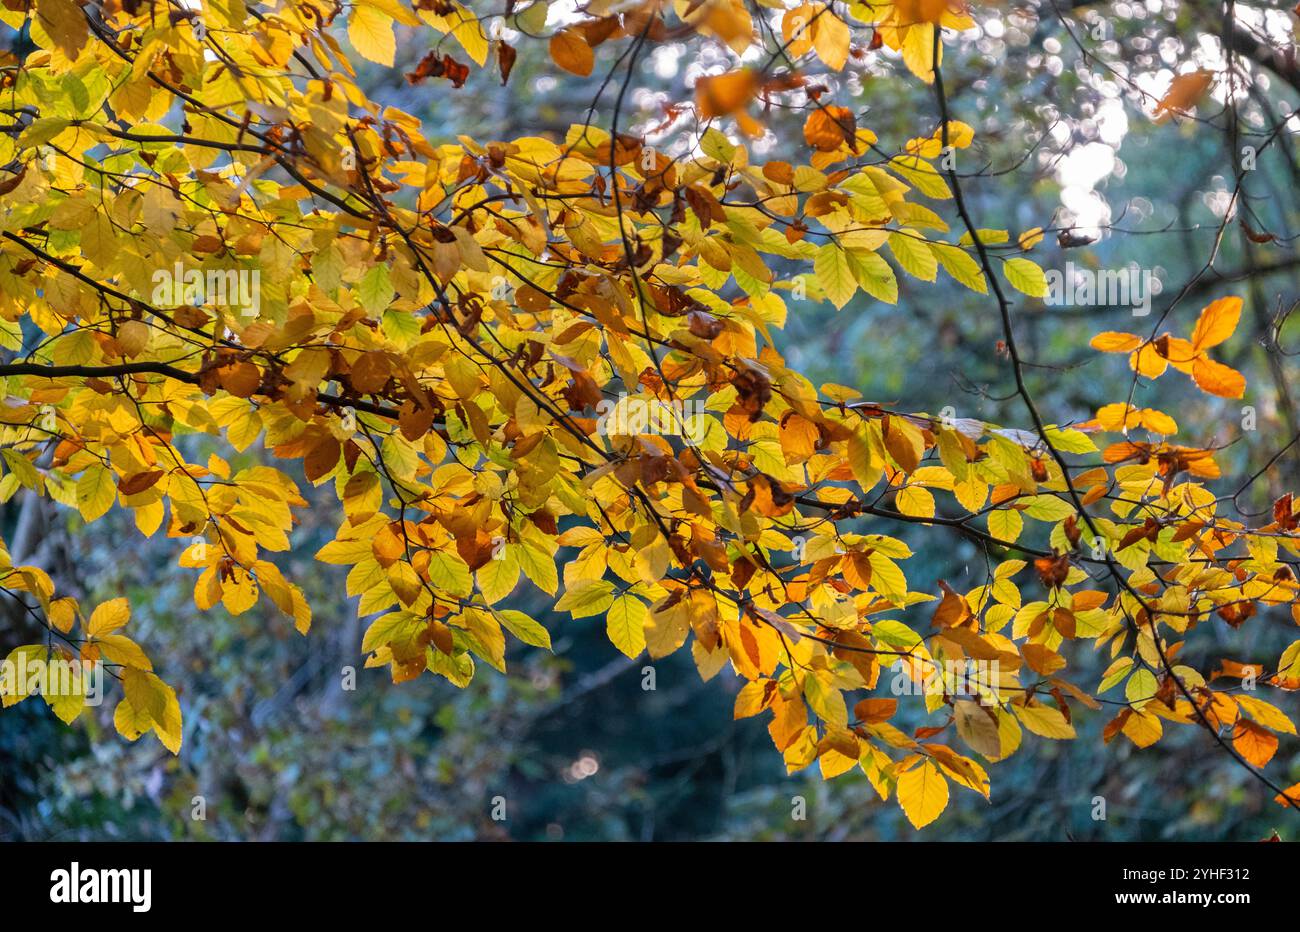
[[574, 743]]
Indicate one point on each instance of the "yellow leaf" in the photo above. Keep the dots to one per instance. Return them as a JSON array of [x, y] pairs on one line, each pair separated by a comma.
[[918, 51], [1147, 361], [591, 597], [118, 648], [1030, 238], [978, 727], [831, 40], [1006, 525], [498, 577], [1112, 342], [795, 29], [914, 255], [1268, 715], [1141, 688], [1045, 721], [448, 572], [63, 613], [1143, 729], [405, 582], [370, 31], [151, 703], [96, 492], [108, 617], [866, 457], [625, 624], [834, 275], [539, 567], [1025, 276], [469, 33], [923, 794]]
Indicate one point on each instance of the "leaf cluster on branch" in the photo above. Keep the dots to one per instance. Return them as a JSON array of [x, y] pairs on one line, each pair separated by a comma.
[[553, 362]]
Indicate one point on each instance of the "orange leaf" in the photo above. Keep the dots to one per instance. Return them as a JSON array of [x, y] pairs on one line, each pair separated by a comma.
[[875, 711], [1253, 742], [829, 128], [725, 93], [1158, 422], [1184, 91], [1214, 378], [1180, 353], [1148, 361], [322, 458], [1216, 323], [795, 31], [1112, 342], [1117, 417], [571, 52], [240, 379], [911, 12], [952, 610]]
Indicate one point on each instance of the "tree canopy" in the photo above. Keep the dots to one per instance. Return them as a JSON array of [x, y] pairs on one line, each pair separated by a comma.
[[552, 361]]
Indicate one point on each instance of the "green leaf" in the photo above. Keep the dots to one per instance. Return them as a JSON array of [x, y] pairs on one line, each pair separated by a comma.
[[590, 598], [1006, 525], [716, 145], [887, 578], [375, 290], [1068, 440], [894, 633], [523, 627], [1141, 688], [538, 566], [41, 131], [447, 571]]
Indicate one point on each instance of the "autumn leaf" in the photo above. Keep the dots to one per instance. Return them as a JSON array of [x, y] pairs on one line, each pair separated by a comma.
[[569, 50], [370, 30], [922, 793], [1217, 322], [727, 95], [251, 302], [830, 39], [1184, 92], [828, 128], [1111, 342], [1218, 379], [1254, 743], [625, 623]]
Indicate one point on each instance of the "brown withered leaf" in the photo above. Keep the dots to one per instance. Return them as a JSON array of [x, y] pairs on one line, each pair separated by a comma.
[[433, 65], [1053, 570], [506, 56], [136, 484]]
